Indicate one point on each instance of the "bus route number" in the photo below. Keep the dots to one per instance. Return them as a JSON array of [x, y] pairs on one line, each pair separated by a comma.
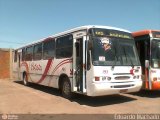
[[99, 33]]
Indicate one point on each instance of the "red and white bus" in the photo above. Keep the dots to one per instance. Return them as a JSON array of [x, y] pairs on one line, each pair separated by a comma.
[[148, 45], [90, 60]]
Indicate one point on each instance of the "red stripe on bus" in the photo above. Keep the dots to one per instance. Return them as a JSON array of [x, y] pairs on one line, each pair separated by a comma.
[[48, 66], [27, 69], [60, 64], [45, 71]]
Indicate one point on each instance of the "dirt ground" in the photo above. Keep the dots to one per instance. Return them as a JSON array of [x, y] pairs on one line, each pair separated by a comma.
[[15, 98]]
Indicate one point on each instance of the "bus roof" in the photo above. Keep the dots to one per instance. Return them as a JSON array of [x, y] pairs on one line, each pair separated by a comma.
[[143, 32], [74, 30]]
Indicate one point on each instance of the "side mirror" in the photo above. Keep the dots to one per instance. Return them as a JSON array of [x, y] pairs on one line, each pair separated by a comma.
[[146, 63]]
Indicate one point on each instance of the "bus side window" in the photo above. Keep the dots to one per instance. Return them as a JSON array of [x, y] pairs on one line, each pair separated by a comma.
[[49, 49], [37, 53], [64, 46], [29, 53]]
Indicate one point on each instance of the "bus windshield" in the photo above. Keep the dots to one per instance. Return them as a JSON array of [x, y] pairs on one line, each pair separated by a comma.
[[155, 54], [114, 50]]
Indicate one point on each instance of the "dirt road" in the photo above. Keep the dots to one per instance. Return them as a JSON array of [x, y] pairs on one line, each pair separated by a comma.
[[16, 98]]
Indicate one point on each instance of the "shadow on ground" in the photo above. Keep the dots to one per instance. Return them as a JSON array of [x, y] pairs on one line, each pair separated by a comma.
[[102, 100], [82, 99], [42, 88], [148, 93]]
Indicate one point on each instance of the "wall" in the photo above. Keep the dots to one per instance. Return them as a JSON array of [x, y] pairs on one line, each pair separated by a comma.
[[5, 63]]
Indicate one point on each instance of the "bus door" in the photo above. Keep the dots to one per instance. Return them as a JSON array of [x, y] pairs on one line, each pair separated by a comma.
[[144, 53], [148, 82], [79, 65]]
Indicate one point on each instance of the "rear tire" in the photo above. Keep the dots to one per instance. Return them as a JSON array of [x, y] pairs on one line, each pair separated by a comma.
[[66, 89], [25, 80]]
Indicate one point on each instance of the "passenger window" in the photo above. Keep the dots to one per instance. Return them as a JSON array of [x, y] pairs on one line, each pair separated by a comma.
[[49, 49], [29, 53], [37, 52], [64, 47]]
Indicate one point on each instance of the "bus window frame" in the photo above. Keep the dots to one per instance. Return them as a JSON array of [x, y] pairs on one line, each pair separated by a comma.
[[26, 57], [53, 50], [57, 48], [35, 59]]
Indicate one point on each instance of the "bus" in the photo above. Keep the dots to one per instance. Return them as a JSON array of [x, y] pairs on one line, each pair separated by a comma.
[[92, 60], [148, 45]]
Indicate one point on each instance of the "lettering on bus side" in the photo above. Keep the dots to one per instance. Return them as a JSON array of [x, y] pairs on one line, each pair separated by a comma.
[[36, 67]]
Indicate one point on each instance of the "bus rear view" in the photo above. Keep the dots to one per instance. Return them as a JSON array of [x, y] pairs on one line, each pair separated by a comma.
[[148, 45]]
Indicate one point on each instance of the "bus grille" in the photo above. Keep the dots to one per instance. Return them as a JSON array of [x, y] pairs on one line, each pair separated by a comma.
[[122, 78], [122, 86]]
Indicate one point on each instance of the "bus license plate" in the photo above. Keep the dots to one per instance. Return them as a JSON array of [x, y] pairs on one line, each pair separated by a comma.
[[123, 91]]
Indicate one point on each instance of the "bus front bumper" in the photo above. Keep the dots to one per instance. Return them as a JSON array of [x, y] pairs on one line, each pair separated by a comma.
[[110, 88]]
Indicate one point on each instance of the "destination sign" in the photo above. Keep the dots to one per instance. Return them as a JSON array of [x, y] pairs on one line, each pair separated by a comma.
[[156, 34], [112, 33], [120, 35]]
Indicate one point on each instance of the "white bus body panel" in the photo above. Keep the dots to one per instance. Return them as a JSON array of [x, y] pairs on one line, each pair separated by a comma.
[[113, 86], [47, 72]]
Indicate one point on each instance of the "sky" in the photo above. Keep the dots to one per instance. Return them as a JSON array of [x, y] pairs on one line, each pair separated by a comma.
[[25, 21]]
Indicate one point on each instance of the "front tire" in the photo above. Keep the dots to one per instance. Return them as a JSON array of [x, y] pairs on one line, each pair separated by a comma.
[[66, 89]]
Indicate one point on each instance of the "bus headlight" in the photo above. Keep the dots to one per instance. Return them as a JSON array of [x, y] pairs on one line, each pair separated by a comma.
[[136, 77], [106, 78]]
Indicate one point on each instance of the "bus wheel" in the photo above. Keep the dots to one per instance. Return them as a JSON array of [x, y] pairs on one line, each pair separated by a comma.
[[25, 81], [66, 89]]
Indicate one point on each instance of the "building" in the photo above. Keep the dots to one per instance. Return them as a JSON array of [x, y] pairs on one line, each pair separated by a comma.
[[5, 63]]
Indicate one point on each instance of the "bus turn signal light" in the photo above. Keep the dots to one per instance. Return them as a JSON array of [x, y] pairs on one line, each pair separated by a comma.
[[97, 78], [131, 71]]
